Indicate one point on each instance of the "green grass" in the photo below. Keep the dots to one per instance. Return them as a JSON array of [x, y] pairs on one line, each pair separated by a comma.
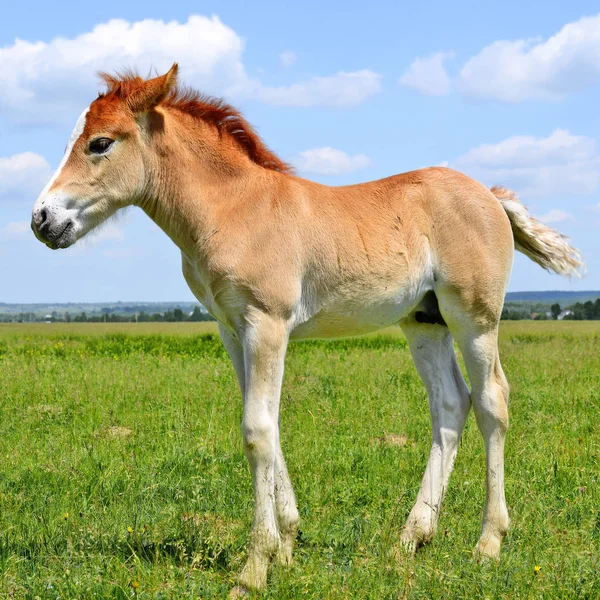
[[123, 474]]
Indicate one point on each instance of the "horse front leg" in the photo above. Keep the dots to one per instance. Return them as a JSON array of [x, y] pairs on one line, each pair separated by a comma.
[[285, 499], [264, 342], [287, 511]]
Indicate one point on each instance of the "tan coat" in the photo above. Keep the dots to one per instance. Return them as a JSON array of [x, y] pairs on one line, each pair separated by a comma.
[[273, 257]]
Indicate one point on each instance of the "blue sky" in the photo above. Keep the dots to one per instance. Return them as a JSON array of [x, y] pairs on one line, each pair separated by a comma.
[[508, 93]]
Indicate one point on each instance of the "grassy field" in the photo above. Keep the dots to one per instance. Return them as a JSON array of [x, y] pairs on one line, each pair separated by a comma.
[[123, 473]]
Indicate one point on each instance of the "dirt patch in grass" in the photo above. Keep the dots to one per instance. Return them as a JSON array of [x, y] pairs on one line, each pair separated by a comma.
[[114, 432], [398, 440]]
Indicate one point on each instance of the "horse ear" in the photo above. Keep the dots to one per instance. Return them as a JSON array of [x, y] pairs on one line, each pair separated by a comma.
[[153, 92]]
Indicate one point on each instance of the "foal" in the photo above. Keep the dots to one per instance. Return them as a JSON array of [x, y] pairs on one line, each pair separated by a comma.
[[275, 257]]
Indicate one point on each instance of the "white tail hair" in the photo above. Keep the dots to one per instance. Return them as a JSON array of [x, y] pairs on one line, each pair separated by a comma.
[[546, 246]]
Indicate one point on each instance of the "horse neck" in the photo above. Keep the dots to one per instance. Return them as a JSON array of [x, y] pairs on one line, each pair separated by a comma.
[[194, 178]]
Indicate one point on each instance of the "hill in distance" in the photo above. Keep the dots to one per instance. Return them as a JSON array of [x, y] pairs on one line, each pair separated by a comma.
[[564, 298]]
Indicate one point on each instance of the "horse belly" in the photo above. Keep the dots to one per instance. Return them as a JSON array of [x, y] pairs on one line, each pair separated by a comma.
[[344, 319]]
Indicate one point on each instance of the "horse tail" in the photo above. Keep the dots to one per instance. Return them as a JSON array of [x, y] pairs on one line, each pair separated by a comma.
[[546, 246]]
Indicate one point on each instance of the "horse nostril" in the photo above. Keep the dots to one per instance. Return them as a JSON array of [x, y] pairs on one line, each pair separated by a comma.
[[39, 221]]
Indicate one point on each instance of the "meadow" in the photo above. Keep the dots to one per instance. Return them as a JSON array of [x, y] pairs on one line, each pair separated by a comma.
[[123, 476]]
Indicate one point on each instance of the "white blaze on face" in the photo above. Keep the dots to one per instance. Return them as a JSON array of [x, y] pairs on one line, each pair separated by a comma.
[[55, 220], [77, 131]]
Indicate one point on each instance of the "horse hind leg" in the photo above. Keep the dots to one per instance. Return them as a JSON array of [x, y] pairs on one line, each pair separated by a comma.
[[479, 347], [432, 348], [474, 325]]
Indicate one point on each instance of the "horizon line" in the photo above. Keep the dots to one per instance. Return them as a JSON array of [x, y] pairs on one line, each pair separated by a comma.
[[194, 301]]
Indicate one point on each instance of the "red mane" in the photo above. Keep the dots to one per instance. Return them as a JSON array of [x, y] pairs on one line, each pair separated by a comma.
[[214, 111]]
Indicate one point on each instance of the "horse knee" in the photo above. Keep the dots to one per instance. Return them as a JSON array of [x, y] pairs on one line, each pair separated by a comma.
[[258, 435], [491, 407]]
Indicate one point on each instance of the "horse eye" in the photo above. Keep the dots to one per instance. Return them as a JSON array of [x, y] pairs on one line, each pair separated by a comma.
[[100, 146]]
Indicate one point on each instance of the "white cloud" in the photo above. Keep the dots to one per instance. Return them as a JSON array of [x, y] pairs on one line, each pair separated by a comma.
[[288, 58], [342, 89], [49, 79], [125, 253], [560, 164], [47, 82], [427, 75], [23, 176], [329, 161], [106, 233], [556, 215], [512, 71], [16, 230]]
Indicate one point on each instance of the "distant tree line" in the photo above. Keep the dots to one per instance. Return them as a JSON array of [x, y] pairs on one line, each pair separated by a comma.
[[514, 315], [580, 311], [586, 311], [169, 316]]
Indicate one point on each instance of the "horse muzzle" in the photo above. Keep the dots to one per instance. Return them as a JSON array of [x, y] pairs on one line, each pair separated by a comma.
[[52, 231]]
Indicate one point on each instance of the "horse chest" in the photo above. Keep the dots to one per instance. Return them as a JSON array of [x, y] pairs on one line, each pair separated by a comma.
[[204, 285]]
